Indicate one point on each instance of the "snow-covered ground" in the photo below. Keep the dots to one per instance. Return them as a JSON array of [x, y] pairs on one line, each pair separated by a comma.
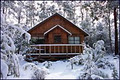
[[61, 69]]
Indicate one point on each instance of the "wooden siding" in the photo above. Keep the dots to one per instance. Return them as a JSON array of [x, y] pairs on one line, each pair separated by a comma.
[[57, 31], [55, 20], [51, 22]]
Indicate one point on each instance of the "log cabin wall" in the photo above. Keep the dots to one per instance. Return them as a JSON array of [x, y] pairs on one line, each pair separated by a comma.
[[57, 31]]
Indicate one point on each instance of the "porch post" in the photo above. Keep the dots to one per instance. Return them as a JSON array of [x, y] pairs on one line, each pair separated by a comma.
[[42, 49], [62, 49], [75, 49], [54, 49], [39, 49], [66, 49], [45, 48], [50, 48], [58, 49], [79, 50]]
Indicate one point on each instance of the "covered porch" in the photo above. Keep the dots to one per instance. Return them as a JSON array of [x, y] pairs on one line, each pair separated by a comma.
[[54, 51], [57, 48]]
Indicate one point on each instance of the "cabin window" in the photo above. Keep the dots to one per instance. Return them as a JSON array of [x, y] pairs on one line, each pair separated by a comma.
[[37, 37], [38, 40], [57, 38], [74, 40], [34, 37], [40, 37]]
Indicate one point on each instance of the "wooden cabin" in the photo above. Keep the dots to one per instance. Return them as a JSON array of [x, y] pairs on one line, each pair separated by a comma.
[[56, 37]]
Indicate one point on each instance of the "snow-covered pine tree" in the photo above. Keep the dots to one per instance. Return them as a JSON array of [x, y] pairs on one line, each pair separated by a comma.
[[9, 34], [47, 64], [3, 70], [69, 10], [8, 49], [39, 73], [91, 57], [35, 71], [77, 60], [21, 41], [42, 11], [115, 73]]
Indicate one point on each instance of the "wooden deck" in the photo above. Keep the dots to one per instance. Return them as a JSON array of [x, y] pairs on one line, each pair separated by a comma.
[[49, 56], [45, 52]]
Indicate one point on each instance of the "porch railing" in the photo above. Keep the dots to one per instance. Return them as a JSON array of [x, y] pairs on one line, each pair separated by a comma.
[[57, 48]]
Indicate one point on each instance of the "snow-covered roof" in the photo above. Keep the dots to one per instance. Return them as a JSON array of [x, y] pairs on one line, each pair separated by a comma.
[[55, 27]]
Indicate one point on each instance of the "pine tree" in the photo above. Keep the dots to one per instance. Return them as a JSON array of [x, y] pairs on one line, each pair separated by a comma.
[[115, 74], [92, 56]]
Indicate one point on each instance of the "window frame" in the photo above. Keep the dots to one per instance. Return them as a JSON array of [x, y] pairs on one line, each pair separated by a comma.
[[58, 41], [74, 41], [38, 40]]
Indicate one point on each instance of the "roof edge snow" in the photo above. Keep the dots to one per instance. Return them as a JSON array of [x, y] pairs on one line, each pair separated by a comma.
[[55, 27]]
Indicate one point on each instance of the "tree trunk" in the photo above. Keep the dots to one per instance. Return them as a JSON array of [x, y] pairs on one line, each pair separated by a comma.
[[3, 7], [119, 35], [26, 17], [116, 33], [110, 31], [19, 15], [81, 14]]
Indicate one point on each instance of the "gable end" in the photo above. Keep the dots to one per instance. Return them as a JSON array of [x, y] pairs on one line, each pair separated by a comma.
[[59, 27]]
